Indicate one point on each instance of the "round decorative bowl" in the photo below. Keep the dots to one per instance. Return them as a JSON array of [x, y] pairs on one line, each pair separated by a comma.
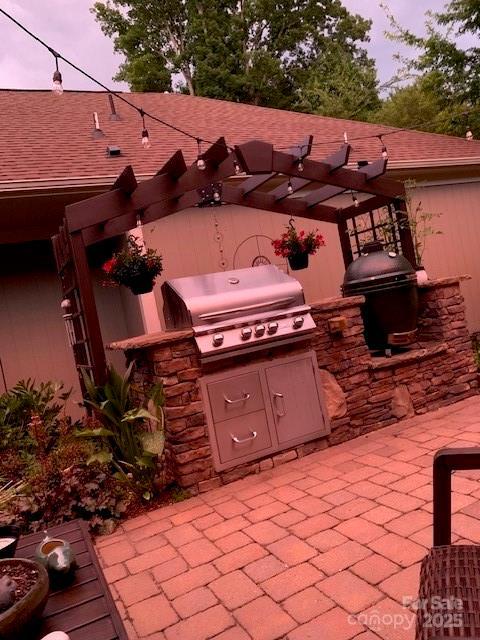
[[9, 535], [28, 609]]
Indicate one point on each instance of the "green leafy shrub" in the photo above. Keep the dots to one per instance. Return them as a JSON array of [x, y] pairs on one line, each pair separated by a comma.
[[45, 476], [19, 404], [122, 438]]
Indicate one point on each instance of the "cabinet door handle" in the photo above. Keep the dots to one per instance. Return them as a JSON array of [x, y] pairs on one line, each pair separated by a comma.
[[276, 396], [244, 398], [244, 440]]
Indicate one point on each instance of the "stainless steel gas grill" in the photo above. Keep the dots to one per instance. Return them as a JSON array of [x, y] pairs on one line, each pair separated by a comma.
[[242, 310]]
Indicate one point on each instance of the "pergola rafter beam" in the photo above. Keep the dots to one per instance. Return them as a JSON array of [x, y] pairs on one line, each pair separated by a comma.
[[175, 166], [335, 161], [298, 152], [364, 206], [372, 170], [267, 202], [101, 209]]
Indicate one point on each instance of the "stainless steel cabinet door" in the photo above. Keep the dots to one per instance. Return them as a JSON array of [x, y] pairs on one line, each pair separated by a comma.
[[243, 438], [295, 401], [235, 396]]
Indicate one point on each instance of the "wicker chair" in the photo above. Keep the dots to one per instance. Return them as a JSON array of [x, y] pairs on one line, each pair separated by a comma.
[[449, 594]]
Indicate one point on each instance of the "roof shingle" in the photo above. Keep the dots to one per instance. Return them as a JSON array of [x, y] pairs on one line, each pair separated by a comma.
[[46, 137]]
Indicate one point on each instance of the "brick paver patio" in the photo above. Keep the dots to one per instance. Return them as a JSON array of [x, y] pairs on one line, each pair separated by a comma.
[[324, 548]]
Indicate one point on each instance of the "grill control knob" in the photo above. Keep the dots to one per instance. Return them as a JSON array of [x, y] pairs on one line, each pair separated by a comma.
[[246, 333], [272, 327], [217, 339], [298, 322], [259, 330]]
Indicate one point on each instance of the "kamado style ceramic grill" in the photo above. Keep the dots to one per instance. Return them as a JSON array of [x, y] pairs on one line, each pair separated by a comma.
[[389, 283]]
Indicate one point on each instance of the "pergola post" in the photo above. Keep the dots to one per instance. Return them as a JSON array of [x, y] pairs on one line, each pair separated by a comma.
[[345, 244], [405, 232], [89, 308]]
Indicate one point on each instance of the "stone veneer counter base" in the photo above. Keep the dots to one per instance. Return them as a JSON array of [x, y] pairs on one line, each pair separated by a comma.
[[362, 392]]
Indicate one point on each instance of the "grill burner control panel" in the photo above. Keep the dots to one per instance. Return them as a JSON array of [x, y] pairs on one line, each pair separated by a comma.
[[258, 334]]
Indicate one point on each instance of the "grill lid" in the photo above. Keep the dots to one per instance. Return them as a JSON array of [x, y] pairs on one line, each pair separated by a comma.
[[375, 268], [216, 297]]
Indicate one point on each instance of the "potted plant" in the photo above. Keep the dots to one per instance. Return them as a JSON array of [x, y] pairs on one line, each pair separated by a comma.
[[296, 246], [23, 595], [134, 267]]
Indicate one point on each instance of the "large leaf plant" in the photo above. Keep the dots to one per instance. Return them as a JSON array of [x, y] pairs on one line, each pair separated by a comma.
[[130, 437]]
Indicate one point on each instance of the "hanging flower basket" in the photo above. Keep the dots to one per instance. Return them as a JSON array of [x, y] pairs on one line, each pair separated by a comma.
[[141, 284], [135, 267], [297, 246], [298, 261]]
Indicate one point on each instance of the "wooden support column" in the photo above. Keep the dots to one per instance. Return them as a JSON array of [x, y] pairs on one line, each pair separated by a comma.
[[89, 308], [405, 232], [347, 253]]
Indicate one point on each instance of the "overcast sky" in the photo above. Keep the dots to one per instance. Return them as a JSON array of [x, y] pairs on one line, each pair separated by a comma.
[[70, 28]]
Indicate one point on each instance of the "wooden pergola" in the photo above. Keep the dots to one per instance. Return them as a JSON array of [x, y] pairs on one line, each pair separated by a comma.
[[177, 187]]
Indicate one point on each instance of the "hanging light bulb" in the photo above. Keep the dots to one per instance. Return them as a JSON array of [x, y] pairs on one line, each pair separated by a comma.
[[216, 196], [300, 166], [57, 87], [289, 187], [237, 167], [145, 139], [355, 200], [384, 147], [201, 165], [469, 135]]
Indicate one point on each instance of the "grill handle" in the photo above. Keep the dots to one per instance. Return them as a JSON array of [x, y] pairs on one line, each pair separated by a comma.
[[244, 398], [251, 307], [244, 440], [276, 396]]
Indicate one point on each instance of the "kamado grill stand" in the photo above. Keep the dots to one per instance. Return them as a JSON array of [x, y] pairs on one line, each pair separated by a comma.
[[389, 283]]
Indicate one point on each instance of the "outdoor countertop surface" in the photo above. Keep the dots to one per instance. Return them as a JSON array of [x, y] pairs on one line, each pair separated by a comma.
[[150, 339]]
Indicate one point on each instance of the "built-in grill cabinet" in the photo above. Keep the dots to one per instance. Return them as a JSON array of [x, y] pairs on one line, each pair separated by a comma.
[[256, 410]]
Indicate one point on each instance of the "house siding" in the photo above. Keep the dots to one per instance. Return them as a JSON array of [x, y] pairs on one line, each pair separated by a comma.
[[33, 340]]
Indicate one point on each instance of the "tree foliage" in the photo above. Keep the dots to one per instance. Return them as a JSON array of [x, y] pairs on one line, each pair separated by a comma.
[[340, 86], [446, 90], [276, 53]]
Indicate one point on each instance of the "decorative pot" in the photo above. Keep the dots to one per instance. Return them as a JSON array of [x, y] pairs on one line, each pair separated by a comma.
[[57, 556], [298, 261], [9, 534], [26, 611], [141, 284]]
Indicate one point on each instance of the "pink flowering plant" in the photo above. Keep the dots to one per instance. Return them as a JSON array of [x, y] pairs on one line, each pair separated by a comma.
[[293, 242], [132, 263]]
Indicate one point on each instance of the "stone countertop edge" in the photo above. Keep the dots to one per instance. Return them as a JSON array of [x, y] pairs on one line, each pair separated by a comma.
[[416, 355], [151, 340], [445, 282]]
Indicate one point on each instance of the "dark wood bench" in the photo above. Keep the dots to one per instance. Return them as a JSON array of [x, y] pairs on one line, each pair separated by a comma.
[[85, 609], [449, 593]]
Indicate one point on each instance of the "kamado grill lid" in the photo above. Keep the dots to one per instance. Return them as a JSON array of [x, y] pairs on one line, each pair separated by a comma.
[[376, 268]]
